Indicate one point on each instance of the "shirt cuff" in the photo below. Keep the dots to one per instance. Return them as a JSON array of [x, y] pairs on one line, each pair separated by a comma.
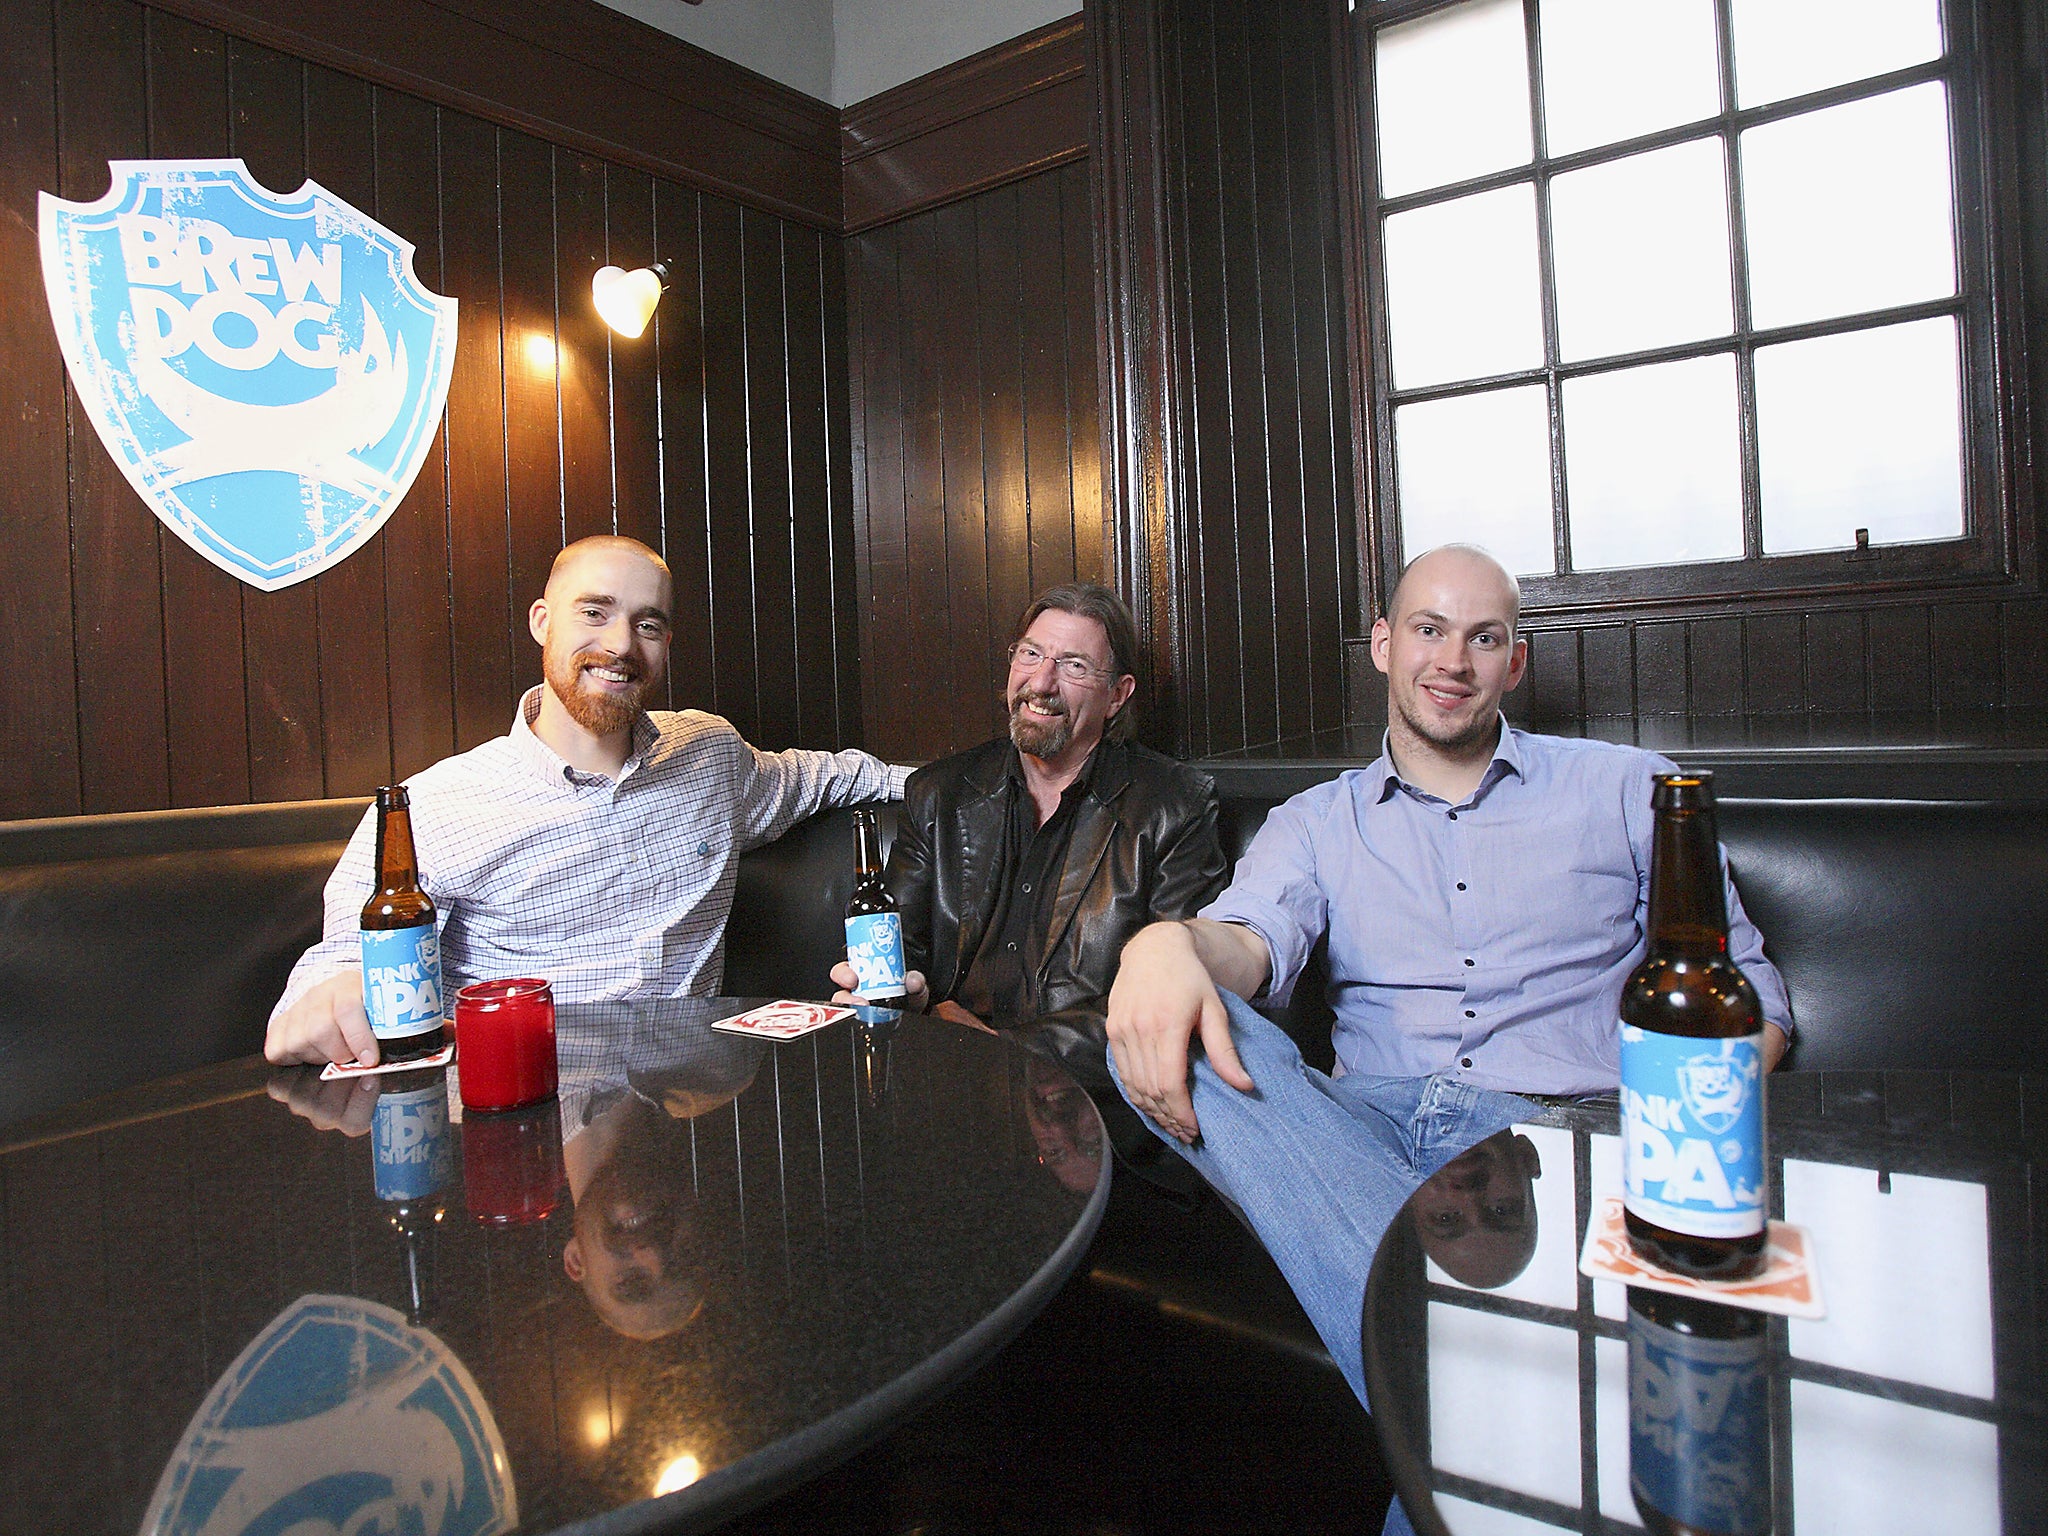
[[898, 776]]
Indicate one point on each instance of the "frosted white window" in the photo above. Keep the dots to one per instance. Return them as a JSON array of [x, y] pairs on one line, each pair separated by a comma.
[[1610, 1429], [1462, 294], [1861, 430], [1452, 96], [1476, 468], [1463, 1517], [1946, 1290], [1789, 47], [1640, 247], [1504, 1402], [1613, 69], [1876, 1468], [1849, 209], [1653, 465]]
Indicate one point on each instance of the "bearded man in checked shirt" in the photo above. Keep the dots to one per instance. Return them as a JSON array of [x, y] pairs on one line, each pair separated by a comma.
[[595, 844]]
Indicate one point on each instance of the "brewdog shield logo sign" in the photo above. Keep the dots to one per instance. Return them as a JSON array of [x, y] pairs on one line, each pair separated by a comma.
[[266, 369]]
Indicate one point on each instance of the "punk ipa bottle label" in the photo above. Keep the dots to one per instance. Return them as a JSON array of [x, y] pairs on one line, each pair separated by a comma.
[[1692, 1119]]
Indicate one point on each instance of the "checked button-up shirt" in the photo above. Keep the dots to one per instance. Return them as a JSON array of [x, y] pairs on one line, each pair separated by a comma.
[[610, 888]]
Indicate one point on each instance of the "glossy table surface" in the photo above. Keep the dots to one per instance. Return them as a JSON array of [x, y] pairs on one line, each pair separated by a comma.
[[1520, 1398], [245, 1301]]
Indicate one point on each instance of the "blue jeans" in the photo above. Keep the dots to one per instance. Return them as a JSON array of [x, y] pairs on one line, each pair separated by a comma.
[[1320, 1166]]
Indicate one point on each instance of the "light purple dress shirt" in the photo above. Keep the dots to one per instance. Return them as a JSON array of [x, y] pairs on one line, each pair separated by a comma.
[[1488, 940]]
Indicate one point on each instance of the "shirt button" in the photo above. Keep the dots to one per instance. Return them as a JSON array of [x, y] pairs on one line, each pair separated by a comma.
[[1452, 814], [1464, 1061], [1469, 962], [1011, 946], [703, 849], [1027, 890], [1470, 1014], [1461, 885]]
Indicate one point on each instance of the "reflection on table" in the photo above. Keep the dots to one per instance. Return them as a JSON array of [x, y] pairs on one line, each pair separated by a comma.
[[1513, 1395], [254, 1302]]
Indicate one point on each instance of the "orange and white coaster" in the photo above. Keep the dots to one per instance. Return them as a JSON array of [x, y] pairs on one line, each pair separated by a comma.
[[1789, 1284]]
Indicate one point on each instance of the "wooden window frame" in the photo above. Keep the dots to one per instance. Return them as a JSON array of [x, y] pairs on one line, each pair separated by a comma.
[[1997, 546]]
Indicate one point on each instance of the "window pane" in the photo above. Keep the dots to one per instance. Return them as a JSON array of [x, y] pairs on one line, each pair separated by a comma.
[[1850, 209], [1613, 69], [1476, 468], [1653, 465], [1452, 96], [1462, 301], [1789, 47], [1860, 431], [1641, 247]]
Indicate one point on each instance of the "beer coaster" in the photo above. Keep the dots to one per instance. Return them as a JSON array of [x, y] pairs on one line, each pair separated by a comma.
[[1789, 1284], [784, 1020], [439, 1058]]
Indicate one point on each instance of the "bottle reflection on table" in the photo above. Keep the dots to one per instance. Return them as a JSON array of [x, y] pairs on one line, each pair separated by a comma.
[[1699, 1436], [412, 1156], [874, 1030]]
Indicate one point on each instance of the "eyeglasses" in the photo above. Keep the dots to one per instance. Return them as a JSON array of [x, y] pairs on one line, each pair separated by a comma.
[[1026, 657]]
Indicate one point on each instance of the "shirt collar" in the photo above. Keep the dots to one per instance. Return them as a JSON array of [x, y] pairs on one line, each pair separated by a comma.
[[550, 764], [1507, 759], [1083, 781]]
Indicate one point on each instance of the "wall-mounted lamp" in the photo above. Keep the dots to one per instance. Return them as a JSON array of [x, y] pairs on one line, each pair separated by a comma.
[[625, 299]]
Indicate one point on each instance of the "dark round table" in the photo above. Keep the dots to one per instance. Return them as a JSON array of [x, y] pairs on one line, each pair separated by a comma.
[[244, 1300], [1512, 1394]]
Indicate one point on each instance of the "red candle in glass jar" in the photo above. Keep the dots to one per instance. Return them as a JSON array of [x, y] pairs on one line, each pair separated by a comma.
[[505, 1043]]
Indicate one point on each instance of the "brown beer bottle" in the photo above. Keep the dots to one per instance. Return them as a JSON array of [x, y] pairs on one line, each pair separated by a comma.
[[874, 926], [401, 951], [1692, 1060]]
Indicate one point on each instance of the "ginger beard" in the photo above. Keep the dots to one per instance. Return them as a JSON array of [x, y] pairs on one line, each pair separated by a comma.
[[600, 709]]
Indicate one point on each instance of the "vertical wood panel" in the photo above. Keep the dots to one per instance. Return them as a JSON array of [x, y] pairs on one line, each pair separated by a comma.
[[534, 360], [923, 363], [1041, 314], [1771, 663], [991, 518], [844, 512], [977, 400], [1966, 656], [875, 289], [481, 603], [584, 352], [1552, 686], [1835, 673], [1899, 663], [726, 479], [1660, 669], [341, 154], [419, 644], [768, 464], [1607, 670], [123, 741], [679, 344], [205, 674], [810, 493], [1084, 434], [1715, 647], [266, 102], [634, 424], [2023, 650]]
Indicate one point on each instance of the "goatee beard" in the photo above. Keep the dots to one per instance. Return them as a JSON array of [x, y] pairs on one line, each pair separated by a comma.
[[601, 714], [1037, 737]]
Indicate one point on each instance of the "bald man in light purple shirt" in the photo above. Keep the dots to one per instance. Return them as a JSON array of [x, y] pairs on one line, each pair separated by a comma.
[[1485, 893]]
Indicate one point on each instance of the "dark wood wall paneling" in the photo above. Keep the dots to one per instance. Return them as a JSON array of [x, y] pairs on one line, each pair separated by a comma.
[[134, 675], [972, 328], [974, 335], [1011, 110], [1267, 559]]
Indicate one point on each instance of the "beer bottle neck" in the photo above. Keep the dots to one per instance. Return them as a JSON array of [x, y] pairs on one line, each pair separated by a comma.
[[1688, 909], [867, 848], [397, 865]]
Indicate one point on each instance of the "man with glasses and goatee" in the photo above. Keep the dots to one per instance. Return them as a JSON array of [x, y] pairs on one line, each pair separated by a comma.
[[1024, 864]]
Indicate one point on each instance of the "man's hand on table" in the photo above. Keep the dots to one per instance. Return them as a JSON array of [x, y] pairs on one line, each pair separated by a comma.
[[1164, 995], [917, 995], [327, 1024]]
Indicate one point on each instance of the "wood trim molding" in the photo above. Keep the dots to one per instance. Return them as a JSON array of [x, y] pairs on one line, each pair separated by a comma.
[[578, 74], [1135, 348], [1007, 112]]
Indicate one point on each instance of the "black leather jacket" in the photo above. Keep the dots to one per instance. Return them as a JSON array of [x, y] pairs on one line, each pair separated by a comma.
[[1144, 848]]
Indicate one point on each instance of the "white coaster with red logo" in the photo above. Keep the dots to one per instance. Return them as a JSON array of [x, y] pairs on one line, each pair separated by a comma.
[[1789, 1283]]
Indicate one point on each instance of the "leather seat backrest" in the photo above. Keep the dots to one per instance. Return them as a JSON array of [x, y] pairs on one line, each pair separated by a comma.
[[1908, 932]]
